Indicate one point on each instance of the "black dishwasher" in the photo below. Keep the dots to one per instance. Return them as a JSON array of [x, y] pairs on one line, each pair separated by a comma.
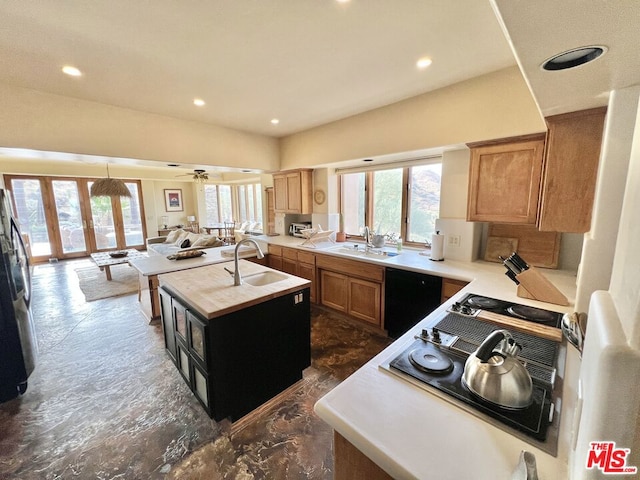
[[408, 298]]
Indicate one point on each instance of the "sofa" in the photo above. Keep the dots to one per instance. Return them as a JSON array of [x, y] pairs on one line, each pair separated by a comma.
[[179, 241]]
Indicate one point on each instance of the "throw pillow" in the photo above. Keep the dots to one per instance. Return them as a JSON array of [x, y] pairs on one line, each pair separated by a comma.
[[173, 235], [183, 236], [208, 241], [185, 243], [193, 237]]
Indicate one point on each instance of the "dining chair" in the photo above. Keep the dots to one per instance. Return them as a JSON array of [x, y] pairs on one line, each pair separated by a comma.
[[229, 236]]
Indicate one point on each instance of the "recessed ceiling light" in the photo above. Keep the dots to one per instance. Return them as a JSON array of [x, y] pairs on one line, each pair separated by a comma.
[[198, 102], [173, 165], [343, 1], [574, 57], [275, 121], [423, 63], [368, 160], [71, 71]]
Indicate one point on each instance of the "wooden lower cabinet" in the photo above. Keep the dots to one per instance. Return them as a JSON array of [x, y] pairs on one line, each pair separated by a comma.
[[333, 290], [349, 463], [364, 300], [351, 287], [451, 287], [295, 262]]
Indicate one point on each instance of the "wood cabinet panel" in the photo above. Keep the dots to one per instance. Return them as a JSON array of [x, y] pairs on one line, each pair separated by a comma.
[[333, 290], [571, 167], [353, 268], [293, 191], [280, 193], [450, 287], [504, 181], [308, 271], [349, 463], [289, 266], [275, 250], [306, 257], [275, 262], [290, 253], [364, 300]]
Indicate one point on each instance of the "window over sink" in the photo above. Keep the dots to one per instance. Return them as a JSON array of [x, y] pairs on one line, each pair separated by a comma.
[[401, 202]]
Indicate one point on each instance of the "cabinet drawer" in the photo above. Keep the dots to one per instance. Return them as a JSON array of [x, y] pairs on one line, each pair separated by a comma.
[[275, 250], [353, 268], [306, 257], [290, 253]]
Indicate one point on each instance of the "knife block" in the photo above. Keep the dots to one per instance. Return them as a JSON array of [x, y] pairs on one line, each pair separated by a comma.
[[536, 286]]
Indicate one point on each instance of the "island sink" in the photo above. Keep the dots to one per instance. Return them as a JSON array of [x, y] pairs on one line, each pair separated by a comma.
[[263, 278]]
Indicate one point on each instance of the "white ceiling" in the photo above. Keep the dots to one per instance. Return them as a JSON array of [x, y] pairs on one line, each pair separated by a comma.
[[540, 29], [306, 62]]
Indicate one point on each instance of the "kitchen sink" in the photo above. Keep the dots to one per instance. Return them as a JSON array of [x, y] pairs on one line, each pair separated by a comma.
[[263, 278], [379, 253]]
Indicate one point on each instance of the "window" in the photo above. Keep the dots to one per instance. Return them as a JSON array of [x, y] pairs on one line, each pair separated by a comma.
[[217, 200], [397, 202], [250, 203], [223, 200]]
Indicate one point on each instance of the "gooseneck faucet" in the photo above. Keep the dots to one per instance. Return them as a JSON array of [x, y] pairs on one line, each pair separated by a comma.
[[367, 237], [237, 278]]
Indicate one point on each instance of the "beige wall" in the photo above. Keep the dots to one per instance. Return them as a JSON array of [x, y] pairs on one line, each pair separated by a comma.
[[491, 106], [453, 188], [41, 121]]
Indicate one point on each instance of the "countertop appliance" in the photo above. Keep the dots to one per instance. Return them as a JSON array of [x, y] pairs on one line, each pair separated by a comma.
[[295, 229], [435, 361], [18, 347]]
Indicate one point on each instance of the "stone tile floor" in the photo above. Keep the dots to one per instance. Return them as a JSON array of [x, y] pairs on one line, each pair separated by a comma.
[[105, 401]]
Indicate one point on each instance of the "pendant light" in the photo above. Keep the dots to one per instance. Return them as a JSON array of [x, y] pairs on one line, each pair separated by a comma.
[[109, 187]]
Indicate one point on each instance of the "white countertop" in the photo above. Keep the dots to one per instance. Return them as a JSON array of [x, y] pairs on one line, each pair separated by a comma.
[[414, 434], [158, 264]]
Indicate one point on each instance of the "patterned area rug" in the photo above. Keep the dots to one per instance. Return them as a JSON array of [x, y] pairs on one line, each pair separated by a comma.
[[94, 283]]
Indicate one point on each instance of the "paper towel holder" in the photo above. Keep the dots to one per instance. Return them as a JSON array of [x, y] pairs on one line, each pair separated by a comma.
[[439, 247]]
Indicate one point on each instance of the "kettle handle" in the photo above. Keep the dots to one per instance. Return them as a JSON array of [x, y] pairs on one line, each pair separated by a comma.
[[485, 351]]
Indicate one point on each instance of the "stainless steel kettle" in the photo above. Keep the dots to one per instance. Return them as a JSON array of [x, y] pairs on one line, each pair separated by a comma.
[[496, 375]]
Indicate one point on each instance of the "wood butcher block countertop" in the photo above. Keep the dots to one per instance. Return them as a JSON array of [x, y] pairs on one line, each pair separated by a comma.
[[210, 290]]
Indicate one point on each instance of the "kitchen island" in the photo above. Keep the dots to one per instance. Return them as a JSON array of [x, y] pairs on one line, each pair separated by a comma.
[[150, 267], [236, 346]]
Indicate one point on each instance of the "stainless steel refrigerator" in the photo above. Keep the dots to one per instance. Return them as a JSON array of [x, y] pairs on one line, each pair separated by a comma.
[[18, 345]]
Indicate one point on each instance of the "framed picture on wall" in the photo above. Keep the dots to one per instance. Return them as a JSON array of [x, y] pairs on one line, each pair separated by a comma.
[[173, 200]]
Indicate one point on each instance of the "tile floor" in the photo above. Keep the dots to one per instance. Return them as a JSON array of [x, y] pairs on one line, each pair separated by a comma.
[[105, 401]]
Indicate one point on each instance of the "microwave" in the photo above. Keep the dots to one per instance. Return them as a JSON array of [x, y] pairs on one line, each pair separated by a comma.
[[295, 228]]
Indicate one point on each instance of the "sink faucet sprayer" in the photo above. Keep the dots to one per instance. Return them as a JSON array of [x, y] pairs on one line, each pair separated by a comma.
[[237, 279]]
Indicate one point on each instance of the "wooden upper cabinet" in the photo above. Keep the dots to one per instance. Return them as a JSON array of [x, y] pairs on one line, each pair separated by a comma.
[[504, 180], [292, 191], [571, 167]]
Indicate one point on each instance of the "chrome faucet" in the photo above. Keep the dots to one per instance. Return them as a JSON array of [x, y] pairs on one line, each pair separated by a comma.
[[367, 236], [237, 278]]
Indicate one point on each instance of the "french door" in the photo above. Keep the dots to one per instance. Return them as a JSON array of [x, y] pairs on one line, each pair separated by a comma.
[[62, 220]]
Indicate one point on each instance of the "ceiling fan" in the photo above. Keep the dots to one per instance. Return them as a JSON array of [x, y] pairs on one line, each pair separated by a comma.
[[198, 175]]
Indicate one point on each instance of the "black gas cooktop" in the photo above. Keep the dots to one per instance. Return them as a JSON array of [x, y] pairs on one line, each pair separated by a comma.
[[515, 310], [417, 360], [437, 357]]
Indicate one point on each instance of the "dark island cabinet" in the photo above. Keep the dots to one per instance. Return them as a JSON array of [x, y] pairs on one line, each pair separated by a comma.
[[236, 362]]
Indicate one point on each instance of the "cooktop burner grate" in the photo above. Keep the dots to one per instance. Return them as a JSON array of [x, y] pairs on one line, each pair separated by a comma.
[[473, 330]]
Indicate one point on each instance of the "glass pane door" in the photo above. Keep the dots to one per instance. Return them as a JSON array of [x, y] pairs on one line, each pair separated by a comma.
[[70, 222], [102, 221], [28, 198], [132, 217]]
